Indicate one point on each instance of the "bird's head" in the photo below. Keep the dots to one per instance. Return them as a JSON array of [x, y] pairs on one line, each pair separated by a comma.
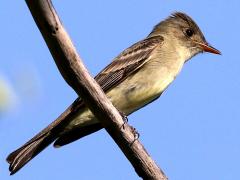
[[181, 29]]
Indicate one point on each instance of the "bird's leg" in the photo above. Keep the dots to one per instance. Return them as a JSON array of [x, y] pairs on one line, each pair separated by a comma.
[[125, 121], [124, 117], [135, 133]]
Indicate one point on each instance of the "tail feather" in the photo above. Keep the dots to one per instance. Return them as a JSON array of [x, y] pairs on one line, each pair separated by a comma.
[[76, 133], [29, 150], [20, 157], [15, 153]]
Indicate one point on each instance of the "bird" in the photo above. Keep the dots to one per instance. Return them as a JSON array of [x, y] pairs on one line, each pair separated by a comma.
[[135, 78]]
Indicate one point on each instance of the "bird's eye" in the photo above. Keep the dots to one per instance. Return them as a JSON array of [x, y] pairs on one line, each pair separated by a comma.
[[189, 32]]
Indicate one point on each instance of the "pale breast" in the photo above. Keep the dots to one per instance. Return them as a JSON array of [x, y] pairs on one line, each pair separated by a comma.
[[140, 89]]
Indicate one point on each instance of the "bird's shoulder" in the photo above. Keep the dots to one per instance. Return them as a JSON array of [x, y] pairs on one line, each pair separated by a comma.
[[127, 62], [134, 54]]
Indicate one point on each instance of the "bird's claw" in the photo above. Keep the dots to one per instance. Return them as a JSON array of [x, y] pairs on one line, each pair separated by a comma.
[[135, 133], [125, 119]]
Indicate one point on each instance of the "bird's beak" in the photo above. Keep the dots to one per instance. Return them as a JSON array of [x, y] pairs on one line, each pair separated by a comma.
[[207, 48]]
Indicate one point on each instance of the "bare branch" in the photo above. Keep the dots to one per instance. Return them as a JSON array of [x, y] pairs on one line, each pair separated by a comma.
[[77, 76]]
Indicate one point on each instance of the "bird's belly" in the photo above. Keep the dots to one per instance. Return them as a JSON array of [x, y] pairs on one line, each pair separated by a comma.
[[139, 90], [130, 95]]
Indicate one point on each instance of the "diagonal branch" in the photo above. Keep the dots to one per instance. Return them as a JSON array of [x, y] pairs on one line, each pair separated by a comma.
[[76, 75]]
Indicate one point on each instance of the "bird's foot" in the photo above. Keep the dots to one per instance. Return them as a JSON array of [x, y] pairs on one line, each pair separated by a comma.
[[125, 119], [135, 133]]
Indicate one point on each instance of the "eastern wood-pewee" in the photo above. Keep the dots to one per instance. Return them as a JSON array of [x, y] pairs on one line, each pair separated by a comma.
[[133, 79]]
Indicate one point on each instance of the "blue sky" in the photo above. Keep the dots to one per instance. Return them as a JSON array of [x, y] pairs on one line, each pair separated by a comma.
[[192, 131]]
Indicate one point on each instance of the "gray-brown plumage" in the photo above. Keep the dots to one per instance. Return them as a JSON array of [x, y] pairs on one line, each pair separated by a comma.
[[122, 66], [133, 79]]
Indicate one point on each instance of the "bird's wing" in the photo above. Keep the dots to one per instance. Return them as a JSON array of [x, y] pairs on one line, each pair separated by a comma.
[[128, 62]]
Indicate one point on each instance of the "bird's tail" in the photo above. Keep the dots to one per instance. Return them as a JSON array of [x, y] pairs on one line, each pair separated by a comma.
[[24, 154], [29, 150]]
